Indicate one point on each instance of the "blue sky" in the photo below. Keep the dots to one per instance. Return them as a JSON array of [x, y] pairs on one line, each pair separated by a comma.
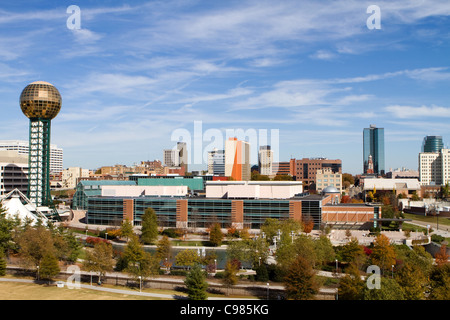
[[137, 71]]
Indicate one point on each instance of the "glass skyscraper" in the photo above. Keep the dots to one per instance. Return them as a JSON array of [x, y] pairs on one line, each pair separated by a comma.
[[432, 144], [373, 145]]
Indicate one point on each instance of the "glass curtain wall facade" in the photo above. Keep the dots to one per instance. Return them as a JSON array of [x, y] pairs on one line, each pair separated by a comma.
[[373, 144], [432, 144]]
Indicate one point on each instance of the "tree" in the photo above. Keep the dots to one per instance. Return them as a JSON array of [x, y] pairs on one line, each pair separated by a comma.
[[126, 229], [138, 262], [442, 256], [49, 266], [308, 224], [412, 281], [187, 258], [230, 278], [351, 287], [2, 263], [440, 283], [352, 252], [149, 231], [324, 250], [100, 259], [389, 290], [383, 253], [196, 283], [300, 282], [216, 235], [164, 251], [34, 243]]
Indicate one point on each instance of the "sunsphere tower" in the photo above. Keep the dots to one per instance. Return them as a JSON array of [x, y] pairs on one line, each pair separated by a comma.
[[41, 102]]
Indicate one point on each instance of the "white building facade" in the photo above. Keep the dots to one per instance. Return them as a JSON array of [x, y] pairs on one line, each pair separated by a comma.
[[22, 146]]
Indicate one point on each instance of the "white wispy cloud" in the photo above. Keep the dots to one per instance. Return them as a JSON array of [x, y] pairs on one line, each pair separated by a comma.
[[406, 112]]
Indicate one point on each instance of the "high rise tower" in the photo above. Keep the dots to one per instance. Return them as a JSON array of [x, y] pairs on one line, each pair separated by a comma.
[[40, 102], [373, 145], [432, 144]]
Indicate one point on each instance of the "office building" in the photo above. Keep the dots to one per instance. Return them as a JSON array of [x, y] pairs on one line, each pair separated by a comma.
[[434, 167], [70, 176], [373, 145], [305, 170], [23, 147], [216, 162], [177, 157], [13, 172], [327, 178], [237, 159], [432, 144], [265, 160]]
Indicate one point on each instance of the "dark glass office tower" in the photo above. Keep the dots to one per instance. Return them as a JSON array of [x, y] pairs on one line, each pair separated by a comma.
[[432, 144], [373, 144]]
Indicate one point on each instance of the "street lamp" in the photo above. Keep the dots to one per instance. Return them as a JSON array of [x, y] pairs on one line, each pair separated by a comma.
[[140, 284], [336, 265], [37, 272], [392, 269], [292, 236], [106, 233], [267, 291]]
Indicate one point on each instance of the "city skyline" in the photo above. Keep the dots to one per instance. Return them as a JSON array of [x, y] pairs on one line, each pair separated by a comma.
[[132, 74]]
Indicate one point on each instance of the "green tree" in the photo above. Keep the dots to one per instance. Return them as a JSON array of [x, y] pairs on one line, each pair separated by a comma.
[[440, 283], [216, 235], [100, 259], [412, 281], [352, 252], [149, 231], [2, 263], [126, 229], [187, 258], [196, 283], [323, 250], [300, 281], [49, 266], [389, 290]]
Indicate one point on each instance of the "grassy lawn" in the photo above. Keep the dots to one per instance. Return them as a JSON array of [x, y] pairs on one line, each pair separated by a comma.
[[31, 291], [428, 219]]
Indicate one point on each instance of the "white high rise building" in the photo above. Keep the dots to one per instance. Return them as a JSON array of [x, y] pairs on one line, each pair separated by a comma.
[[22, 146], [434, 167], [265, 160]]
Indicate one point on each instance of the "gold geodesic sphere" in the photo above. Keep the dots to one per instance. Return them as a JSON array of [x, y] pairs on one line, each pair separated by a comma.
[[40, 100]]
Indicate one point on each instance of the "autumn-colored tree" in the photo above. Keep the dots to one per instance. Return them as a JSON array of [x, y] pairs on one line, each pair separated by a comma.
[[164, 251], [383, 253], [230, 274], [442, 257], [139, 263], [99, 259], [34, 244], [216, 235], [351, 287], [308, 224], [300, 282]]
